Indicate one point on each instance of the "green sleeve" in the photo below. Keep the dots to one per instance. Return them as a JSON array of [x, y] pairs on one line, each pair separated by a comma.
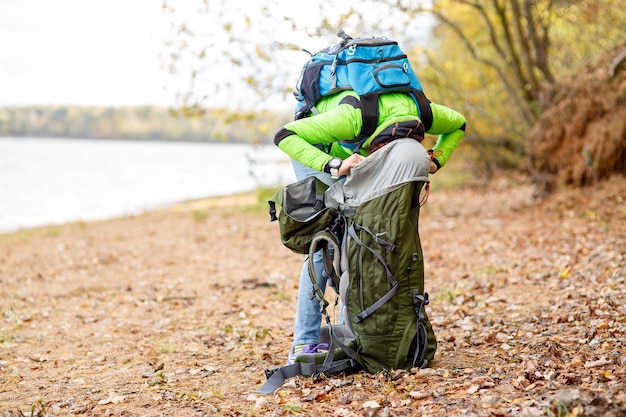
[[450, 126], [341, 123]]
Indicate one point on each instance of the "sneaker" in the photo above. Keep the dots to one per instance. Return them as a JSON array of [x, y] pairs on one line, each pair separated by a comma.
[[306, 349]]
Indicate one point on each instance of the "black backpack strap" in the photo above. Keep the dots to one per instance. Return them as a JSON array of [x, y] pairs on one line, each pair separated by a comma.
[[277, 198], [425, 112], [309, 88], [369, 112], [419, 303], [272, 211]]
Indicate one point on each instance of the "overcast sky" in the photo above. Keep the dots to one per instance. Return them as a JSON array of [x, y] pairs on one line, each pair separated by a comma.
[[106, 52], [77, 52], [109, 52]]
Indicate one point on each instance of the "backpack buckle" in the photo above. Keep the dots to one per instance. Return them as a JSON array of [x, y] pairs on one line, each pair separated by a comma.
[[270, 372]]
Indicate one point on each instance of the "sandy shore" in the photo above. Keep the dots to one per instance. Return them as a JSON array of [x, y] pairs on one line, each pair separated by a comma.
[[179, 311]]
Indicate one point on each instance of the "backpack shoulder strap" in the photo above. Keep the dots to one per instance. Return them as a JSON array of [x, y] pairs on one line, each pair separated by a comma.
[[369, 112], [425, 112]]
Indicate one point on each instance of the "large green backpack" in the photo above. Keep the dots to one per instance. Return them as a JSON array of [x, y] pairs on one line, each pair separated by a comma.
[[377, 270]]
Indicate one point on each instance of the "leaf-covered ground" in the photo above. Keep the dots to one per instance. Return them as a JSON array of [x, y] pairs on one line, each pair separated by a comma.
[[179, 311]]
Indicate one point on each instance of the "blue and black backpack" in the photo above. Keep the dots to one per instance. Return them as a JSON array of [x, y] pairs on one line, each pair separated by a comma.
[[370, 67]]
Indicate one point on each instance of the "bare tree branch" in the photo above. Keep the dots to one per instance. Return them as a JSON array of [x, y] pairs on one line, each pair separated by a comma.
[[514, 60], [531, 88], [492, 32], [540, 43], [524, 110]]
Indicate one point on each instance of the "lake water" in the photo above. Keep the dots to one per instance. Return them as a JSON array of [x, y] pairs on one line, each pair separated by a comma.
[[53, 181]]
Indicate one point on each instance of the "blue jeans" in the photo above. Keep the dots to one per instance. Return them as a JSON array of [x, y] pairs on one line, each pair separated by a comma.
[[308, 315]]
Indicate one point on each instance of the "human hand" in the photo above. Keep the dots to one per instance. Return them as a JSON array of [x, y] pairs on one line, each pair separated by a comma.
[[434, 164], [350, 162]]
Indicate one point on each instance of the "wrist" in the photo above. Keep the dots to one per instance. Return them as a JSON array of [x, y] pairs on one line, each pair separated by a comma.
[[332, 167], [432, 153]]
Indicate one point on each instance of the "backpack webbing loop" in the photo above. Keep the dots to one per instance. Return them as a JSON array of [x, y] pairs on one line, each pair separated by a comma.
[[386, 245]]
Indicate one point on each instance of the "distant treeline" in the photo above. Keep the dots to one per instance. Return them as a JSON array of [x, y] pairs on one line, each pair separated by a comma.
[[138, 123]]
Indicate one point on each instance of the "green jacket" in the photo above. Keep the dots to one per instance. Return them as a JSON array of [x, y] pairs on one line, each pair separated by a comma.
[[339, 119]]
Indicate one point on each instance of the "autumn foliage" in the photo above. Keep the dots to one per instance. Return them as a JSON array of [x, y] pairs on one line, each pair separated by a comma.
[[580, 137]]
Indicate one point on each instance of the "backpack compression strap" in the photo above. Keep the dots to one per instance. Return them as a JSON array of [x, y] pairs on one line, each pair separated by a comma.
[[392, 280], [419, 303]]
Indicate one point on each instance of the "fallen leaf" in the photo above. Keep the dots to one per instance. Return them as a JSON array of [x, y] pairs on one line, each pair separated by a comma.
[[473, 389], [260, 403], [395, 399], [112, 400], [419, 395], [532, 412], [600, 362], [370, 408], [426, 372], [345, 398], [566, 396]]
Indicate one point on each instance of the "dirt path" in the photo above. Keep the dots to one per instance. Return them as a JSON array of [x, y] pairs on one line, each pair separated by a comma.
[[178, 312]]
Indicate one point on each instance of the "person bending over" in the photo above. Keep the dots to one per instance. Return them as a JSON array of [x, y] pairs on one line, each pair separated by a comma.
[[323, 145]]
